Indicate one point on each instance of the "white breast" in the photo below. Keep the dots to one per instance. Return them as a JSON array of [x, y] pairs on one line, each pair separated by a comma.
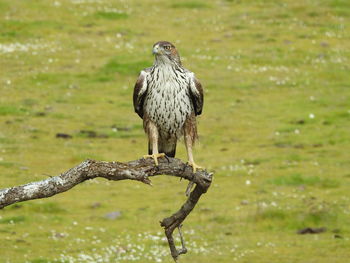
[[168, 101]]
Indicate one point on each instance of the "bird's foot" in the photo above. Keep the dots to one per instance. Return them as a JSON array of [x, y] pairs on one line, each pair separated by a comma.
[[194, 166], [155, 157]]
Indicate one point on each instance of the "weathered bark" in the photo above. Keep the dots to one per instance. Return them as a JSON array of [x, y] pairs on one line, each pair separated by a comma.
[[139, 170]]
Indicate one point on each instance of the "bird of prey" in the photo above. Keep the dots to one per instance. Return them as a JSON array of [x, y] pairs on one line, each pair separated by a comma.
[[168, 98]]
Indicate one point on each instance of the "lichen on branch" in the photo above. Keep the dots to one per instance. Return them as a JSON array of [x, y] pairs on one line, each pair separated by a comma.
[[138, 170]]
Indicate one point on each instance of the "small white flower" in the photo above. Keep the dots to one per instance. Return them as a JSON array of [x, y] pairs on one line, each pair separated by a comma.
[[247, 182], [311, 116]]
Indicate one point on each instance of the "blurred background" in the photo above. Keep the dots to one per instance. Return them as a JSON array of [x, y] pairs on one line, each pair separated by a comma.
[[275, 128]]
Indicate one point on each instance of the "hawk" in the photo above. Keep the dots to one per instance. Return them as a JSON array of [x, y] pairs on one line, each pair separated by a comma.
[[168, 98]]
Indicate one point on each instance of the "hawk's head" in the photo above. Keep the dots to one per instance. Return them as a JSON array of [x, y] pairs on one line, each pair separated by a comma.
[[165, 52]]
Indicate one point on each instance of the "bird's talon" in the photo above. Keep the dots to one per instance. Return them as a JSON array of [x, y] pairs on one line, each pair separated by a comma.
[[155, 157], [194, 166], [167, 158]]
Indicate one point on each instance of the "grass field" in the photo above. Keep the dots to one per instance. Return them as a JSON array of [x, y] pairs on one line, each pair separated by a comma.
[[275, 128]]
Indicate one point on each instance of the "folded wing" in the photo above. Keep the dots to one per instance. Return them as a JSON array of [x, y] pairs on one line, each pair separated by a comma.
[[140, 92], [196, 93]]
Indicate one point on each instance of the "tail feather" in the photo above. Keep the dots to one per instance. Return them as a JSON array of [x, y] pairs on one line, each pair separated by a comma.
[[164, 146], [149, 148], [170, 152], [167, 146]]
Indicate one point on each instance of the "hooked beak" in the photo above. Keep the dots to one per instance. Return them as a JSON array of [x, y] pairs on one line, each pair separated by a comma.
[[156, 50]]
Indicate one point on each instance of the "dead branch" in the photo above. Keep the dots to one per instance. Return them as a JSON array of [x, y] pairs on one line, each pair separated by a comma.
[[139, 170]]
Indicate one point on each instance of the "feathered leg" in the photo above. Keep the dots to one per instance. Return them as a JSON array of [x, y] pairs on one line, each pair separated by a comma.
[[189, 145], [152, 132], [190, 134]]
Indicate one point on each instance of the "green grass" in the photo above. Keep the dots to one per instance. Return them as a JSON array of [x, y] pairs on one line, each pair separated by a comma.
[[40, 260], [12, 110], [190, 5], [299, 180], [275, 128], [6, 164], [47, 207], [13, 220], [111, 15], [119, 65]]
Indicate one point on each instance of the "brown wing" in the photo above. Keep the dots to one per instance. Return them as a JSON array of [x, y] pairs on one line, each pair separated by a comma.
[[196, 93], [140, 91]]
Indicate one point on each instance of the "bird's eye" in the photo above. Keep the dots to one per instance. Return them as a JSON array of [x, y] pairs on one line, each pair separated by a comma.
[[167, 47]]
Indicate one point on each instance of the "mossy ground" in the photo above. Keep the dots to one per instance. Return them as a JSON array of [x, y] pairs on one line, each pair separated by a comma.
[[275, 128]]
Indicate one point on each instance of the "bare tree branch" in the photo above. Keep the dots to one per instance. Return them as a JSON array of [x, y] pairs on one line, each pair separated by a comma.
[[139, 170]]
